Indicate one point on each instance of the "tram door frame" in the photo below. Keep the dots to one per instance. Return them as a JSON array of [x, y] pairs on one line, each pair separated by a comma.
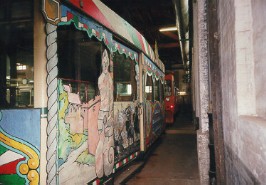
[[142, 105]]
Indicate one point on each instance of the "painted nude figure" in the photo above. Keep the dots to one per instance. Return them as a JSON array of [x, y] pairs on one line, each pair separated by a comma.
[[105, 150]]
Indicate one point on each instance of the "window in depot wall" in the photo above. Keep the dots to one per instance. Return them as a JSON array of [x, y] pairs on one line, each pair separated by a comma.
[[125, 85], [79, 61], [16, 54], [149, 88]]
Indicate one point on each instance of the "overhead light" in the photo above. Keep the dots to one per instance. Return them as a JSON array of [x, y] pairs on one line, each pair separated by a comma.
[[168, 29]]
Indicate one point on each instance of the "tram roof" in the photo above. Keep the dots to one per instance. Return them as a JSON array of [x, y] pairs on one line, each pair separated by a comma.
[[108, 18]]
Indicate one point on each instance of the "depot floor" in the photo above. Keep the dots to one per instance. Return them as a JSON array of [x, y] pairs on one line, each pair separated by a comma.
[[174, 160]]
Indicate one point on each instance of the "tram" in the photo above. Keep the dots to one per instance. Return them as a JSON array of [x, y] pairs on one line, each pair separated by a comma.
[[81, 93], [171, 99]]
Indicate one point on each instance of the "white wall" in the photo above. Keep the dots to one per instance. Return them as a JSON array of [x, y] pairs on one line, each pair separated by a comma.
[[242, 29]]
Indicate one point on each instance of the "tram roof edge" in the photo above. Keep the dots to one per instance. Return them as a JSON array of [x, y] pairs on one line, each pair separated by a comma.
[[111, 20]]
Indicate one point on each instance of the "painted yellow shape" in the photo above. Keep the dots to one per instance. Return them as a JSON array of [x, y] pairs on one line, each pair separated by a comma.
[[33, 162], [77, 138], [62, 96]]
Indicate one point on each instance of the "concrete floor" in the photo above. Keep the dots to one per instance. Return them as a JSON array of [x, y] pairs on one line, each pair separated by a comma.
[[174, 160]]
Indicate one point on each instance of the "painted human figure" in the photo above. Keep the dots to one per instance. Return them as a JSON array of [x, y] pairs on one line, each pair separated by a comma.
[[105, 149]]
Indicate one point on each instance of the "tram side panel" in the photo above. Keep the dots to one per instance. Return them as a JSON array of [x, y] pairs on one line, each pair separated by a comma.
[[93, 107], [126, 112], [153, 102], [98, 113], [85, 101], [20, 146]]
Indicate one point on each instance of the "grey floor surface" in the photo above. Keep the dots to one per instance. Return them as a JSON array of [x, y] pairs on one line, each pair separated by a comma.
[[174, 161]]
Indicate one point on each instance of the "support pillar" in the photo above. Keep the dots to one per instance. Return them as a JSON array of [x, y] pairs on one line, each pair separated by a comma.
[[202, 90], [40, 87]]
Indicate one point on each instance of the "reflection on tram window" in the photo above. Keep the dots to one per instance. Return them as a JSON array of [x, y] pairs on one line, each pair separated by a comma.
[[149, 88], [124, 78], [156, 90], [124, 89], [16, 54]]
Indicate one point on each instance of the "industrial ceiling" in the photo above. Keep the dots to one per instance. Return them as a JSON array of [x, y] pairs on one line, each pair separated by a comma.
[[149, 16]]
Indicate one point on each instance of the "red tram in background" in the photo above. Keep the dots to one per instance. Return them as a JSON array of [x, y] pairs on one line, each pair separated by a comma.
[[171, 99]]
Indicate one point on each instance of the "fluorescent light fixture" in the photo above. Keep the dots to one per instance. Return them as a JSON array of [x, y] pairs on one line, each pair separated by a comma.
[[168, 29]]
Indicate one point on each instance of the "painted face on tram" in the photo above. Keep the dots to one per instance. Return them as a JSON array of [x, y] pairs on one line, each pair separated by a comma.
[[105, 61]]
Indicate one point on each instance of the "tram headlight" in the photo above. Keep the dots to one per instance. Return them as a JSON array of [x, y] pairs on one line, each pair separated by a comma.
[[167, 99]]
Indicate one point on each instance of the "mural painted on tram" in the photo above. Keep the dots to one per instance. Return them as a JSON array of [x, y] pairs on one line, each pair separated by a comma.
[[154, 124], [157, 119], [98, 114], [148, 121], [98, 92], [19, 146], [86, 141], [153, 96], [126, 98], [89, 107]]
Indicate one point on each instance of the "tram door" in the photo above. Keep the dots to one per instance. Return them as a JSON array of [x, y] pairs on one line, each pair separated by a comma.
[[126, 127], [148, 99]]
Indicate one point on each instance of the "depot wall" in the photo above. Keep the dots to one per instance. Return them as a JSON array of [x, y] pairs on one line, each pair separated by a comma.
[[242, 31]]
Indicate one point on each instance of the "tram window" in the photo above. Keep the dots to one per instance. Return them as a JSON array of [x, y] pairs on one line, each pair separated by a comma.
[[125, 85], [16, 54], [161, 92], [149, 88], [156, 90], [79, 61]]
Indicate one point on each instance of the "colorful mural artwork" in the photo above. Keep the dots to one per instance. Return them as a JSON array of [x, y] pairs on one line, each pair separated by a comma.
[[154, 124], [153, 70], [126, 129], [105, 149], [75, 152], [157, 120], [86, 141], [19, 146], [153, 114], [126, 116], [148, 112], [90, 138]]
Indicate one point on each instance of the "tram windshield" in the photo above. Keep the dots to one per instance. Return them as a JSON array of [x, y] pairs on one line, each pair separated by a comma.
[[168, 88]]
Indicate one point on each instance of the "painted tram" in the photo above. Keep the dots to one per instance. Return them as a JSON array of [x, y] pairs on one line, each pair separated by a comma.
[[171, 99], [81, 92]]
